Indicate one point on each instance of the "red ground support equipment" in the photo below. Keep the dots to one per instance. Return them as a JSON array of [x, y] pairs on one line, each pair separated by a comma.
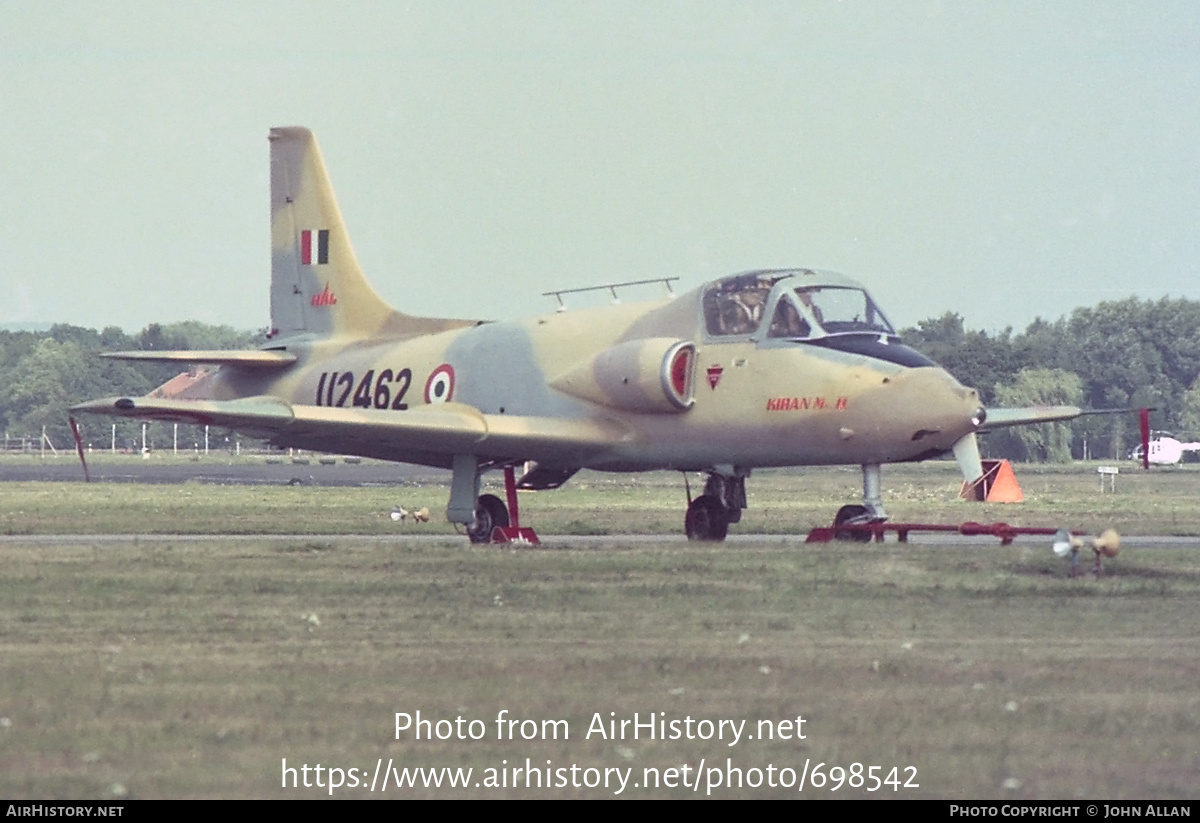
[[513, 533], [866, 531]]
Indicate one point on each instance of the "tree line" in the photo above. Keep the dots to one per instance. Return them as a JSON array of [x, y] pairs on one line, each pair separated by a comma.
[[1118, 354], [44, 373]]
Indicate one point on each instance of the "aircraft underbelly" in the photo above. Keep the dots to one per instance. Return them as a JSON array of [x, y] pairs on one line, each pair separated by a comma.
[[770, 449]]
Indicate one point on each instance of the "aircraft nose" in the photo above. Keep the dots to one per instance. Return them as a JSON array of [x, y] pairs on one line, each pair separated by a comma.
[[938, 406], [969, 398]]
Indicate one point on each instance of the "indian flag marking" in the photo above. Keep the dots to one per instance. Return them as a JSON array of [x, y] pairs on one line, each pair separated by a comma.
[[314, 247]]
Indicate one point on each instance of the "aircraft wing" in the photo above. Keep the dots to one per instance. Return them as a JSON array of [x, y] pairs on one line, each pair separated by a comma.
[[999, 418], [428, 435], [260, 416], [966, 450]]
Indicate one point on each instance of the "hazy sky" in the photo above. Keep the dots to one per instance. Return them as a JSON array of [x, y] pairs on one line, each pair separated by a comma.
[[1002, 160]]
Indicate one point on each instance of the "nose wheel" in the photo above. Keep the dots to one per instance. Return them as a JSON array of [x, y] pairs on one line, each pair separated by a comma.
[[851, 516], [871, 510]]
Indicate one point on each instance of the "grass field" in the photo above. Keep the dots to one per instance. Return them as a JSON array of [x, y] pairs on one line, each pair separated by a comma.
[[175, 668], [1162, 502]]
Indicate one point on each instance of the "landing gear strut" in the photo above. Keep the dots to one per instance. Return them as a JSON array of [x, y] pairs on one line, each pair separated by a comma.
[[709, 515]]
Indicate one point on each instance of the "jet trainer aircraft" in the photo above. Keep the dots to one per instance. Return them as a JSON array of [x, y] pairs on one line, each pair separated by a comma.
[[789, 367]]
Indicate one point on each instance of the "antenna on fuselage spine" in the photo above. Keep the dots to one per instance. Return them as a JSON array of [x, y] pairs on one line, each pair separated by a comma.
[[612, 289]]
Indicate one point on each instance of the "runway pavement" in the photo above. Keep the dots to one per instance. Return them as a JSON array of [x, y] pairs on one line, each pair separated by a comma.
[[564, 541], [246, 471]]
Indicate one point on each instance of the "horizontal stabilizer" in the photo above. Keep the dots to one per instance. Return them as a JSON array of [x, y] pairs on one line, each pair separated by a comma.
[[241, 359], [1027, 415]]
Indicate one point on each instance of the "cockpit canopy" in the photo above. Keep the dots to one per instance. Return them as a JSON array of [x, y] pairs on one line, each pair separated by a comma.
[[796, 304]]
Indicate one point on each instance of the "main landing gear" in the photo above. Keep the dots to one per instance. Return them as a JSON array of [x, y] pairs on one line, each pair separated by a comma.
[[709, 515], [486, 517]]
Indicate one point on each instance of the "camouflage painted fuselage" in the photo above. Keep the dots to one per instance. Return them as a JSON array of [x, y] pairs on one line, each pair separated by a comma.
[[756, 403]]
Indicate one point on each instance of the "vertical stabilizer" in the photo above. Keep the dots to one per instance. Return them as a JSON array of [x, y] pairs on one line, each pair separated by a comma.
[[316, 284]]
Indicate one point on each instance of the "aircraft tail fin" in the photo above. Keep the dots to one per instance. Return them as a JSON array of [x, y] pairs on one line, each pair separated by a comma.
[[317, 287]]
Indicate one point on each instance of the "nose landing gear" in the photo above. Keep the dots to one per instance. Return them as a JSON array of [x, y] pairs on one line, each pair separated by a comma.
[[851, 515], [871, 510]]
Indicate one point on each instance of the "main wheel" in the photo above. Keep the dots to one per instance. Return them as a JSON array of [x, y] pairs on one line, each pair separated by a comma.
[[490, 512], [845, 515], [706, 519]]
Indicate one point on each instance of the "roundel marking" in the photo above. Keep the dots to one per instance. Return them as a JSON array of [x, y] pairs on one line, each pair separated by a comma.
[[439, 388]]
